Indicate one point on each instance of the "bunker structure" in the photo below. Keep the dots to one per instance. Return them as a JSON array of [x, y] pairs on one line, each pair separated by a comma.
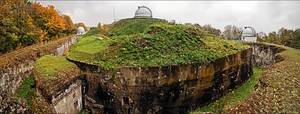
[[72, 83]]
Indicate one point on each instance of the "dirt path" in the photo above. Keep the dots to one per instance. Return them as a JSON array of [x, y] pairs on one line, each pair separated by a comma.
[[278, 90]]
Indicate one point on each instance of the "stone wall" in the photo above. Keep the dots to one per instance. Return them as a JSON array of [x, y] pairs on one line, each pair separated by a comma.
[[264, 54], [69, 100], [18, 65], [163, 89]]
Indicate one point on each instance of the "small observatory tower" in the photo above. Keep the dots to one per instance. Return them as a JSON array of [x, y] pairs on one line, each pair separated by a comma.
[[248, 34], [80, 30], [143, 12]]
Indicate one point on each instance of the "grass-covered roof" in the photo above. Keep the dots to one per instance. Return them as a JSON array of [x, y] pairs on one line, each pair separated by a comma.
[[151, 42], [52, 72]]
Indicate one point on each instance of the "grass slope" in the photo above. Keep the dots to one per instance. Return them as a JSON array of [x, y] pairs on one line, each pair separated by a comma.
[[49, 66], [133, 25], [155, 43], [279, 90]]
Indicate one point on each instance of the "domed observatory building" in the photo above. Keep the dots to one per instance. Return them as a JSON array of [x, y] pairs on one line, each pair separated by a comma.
[[80, 31], [248, 34], [143, 12]]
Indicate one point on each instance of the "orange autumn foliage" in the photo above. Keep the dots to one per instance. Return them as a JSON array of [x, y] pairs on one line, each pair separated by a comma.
[[23, 23]]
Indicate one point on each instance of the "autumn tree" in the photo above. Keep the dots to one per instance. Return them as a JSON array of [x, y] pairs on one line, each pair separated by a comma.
[[81, 24], [23, 23], [232, 32], [17, 26], [99, 26], [48, 19], [295, 39], [282, 37], [285, 36], [70, 27], [209, 29]]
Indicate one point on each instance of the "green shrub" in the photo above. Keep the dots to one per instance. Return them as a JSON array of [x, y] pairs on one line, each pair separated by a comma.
[[26, 90]]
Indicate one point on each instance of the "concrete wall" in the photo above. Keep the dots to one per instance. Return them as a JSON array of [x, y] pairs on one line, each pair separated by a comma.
[[164, 89], [265, 55], [18, 65], [70, 100]]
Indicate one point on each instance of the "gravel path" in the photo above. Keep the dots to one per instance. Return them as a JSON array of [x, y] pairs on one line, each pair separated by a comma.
[[278, 90]]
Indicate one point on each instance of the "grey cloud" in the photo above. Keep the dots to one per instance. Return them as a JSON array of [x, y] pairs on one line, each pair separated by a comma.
[[262, 15]]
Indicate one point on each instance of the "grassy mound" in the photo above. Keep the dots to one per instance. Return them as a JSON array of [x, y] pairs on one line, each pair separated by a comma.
[[137, 42], [50, 66], [133, 25], [53, 73]]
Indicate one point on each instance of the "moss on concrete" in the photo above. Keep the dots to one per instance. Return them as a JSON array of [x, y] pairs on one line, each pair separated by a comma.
[[26, 90]]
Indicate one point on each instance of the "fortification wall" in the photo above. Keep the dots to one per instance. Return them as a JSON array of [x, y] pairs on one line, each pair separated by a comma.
[[18, 65], [264, 54], [163, 89], [70, 100]]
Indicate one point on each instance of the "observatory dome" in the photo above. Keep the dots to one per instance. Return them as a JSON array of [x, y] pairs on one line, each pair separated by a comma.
[[248, 32], [143, 12], [80, 30]]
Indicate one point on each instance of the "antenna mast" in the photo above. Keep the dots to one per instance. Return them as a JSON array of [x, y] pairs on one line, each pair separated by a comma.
[[114, 14]]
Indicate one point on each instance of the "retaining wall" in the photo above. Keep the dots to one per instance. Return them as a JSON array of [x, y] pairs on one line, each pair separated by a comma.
[[163, 89], [265, 55], [18, 65]]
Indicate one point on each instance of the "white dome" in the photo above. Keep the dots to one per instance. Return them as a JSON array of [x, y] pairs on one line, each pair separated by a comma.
[[142, 12], [249, 32], [80, 30]]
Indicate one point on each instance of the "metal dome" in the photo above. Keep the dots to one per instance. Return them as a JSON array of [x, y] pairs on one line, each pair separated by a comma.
[[143, 12], [249, 34], [80, 30]]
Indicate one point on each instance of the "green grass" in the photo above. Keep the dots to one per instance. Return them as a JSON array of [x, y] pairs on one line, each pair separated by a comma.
[[132, 26], [156, 43], [25, 91], [84, 111], [49, 66], [233, 98], [91, 43]]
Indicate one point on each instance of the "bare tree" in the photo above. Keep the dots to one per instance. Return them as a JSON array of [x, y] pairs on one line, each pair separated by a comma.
[[232, 32]]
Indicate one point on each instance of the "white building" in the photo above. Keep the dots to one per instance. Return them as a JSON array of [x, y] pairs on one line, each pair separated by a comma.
[[248, 34], [80, 31], [143, 12]]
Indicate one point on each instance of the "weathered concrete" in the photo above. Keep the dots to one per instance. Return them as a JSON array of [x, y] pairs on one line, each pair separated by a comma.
[[163, 89], [18, 65], [157, 89], [69, 100], [265, 55]]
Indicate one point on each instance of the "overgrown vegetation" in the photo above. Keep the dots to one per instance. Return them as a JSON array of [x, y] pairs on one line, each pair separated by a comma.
[[236, 96], [26, 90], [132, 26], [49, 66], [151, 42], [284, 36], [24, 23]]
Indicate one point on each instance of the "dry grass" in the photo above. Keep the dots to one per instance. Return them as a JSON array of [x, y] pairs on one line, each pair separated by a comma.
[[279, 88]]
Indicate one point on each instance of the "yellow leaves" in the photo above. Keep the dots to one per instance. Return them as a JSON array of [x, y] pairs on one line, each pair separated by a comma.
[[27, 23]]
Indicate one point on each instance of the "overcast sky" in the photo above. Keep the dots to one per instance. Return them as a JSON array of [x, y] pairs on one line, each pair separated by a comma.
[[264, 16]]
